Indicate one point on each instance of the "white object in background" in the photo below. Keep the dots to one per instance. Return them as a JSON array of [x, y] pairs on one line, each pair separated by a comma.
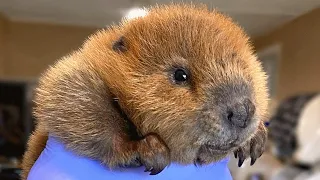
[[135, 13], [289, 173], [314, 177], [308, 150], [266, 166], [308, 133]]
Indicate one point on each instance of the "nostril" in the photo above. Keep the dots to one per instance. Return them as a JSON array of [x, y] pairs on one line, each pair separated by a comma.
[[230, 115], [240, 112]]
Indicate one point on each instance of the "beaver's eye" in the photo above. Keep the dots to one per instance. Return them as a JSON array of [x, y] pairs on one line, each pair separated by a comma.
[[181, 75]]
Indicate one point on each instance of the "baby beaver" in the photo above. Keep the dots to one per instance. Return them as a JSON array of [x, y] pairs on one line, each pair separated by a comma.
[[181, 84]]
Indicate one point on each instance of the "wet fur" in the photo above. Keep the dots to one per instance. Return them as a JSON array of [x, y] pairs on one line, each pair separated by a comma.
[[181, 123]]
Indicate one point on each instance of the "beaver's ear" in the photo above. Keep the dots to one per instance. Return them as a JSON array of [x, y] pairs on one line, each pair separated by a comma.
[[120, 45]]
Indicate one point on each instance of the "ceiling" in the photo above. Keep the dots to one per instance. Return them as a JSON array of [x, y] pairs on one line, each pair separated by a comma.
[[256, 16]]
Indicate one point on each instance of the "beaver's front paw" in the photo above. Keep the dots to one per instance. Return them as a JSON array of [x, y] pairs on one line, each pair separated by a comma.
[[254, 147], [132, 164], [154, 154]]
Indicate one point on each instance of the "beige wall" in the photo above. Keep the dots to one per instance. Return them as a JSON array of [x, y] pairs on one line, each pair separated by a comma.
[[32, 47], [299, 69], [3, 26]]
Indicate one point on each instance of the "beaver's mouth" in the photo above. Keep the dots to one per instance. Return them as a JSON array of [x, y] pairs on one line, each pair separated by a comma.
[[223, 147]]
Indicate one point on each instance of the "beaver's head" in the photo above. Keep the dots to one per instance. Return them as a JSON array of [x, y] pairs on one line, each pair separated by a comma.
[[187, 74]]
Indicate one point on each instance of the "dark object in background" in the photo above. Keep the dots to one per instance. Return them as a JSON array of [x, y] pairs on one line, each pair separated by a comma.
[[10, 174], [15, 108], [11, 130], [283, 124], [16, 124]]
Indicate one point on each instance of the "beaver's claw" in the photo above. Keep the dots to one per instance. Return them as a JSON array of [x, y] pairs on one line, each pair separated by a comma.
[[253, 148], [154, 154]]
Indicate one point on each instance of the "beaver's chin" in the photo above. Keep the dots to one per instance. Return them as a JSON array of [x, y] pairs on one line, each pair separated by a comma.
[[209, 153], [223, 148], [220, 148]]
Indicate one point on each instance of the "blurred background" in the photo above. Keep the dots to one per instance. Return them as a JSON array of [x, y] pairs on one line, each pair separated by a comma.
[[285, 34]]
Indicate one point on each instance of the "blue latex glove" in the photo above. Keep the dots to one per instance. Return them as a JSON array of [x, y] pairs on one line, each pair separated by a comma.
[[57, 163]]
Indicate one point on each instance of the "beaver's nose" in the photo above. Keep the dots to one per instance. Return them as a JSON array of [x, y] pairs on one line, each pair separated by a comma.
[[240, 112]]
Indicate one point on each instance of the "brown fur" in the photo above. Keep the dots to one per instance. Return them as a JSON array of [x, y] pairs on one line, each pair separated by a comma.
[[178, 123]]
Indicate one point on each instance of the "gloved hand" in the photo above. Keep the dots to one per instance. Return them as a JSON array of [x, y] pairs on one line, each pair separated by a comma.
[[57, 163]]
